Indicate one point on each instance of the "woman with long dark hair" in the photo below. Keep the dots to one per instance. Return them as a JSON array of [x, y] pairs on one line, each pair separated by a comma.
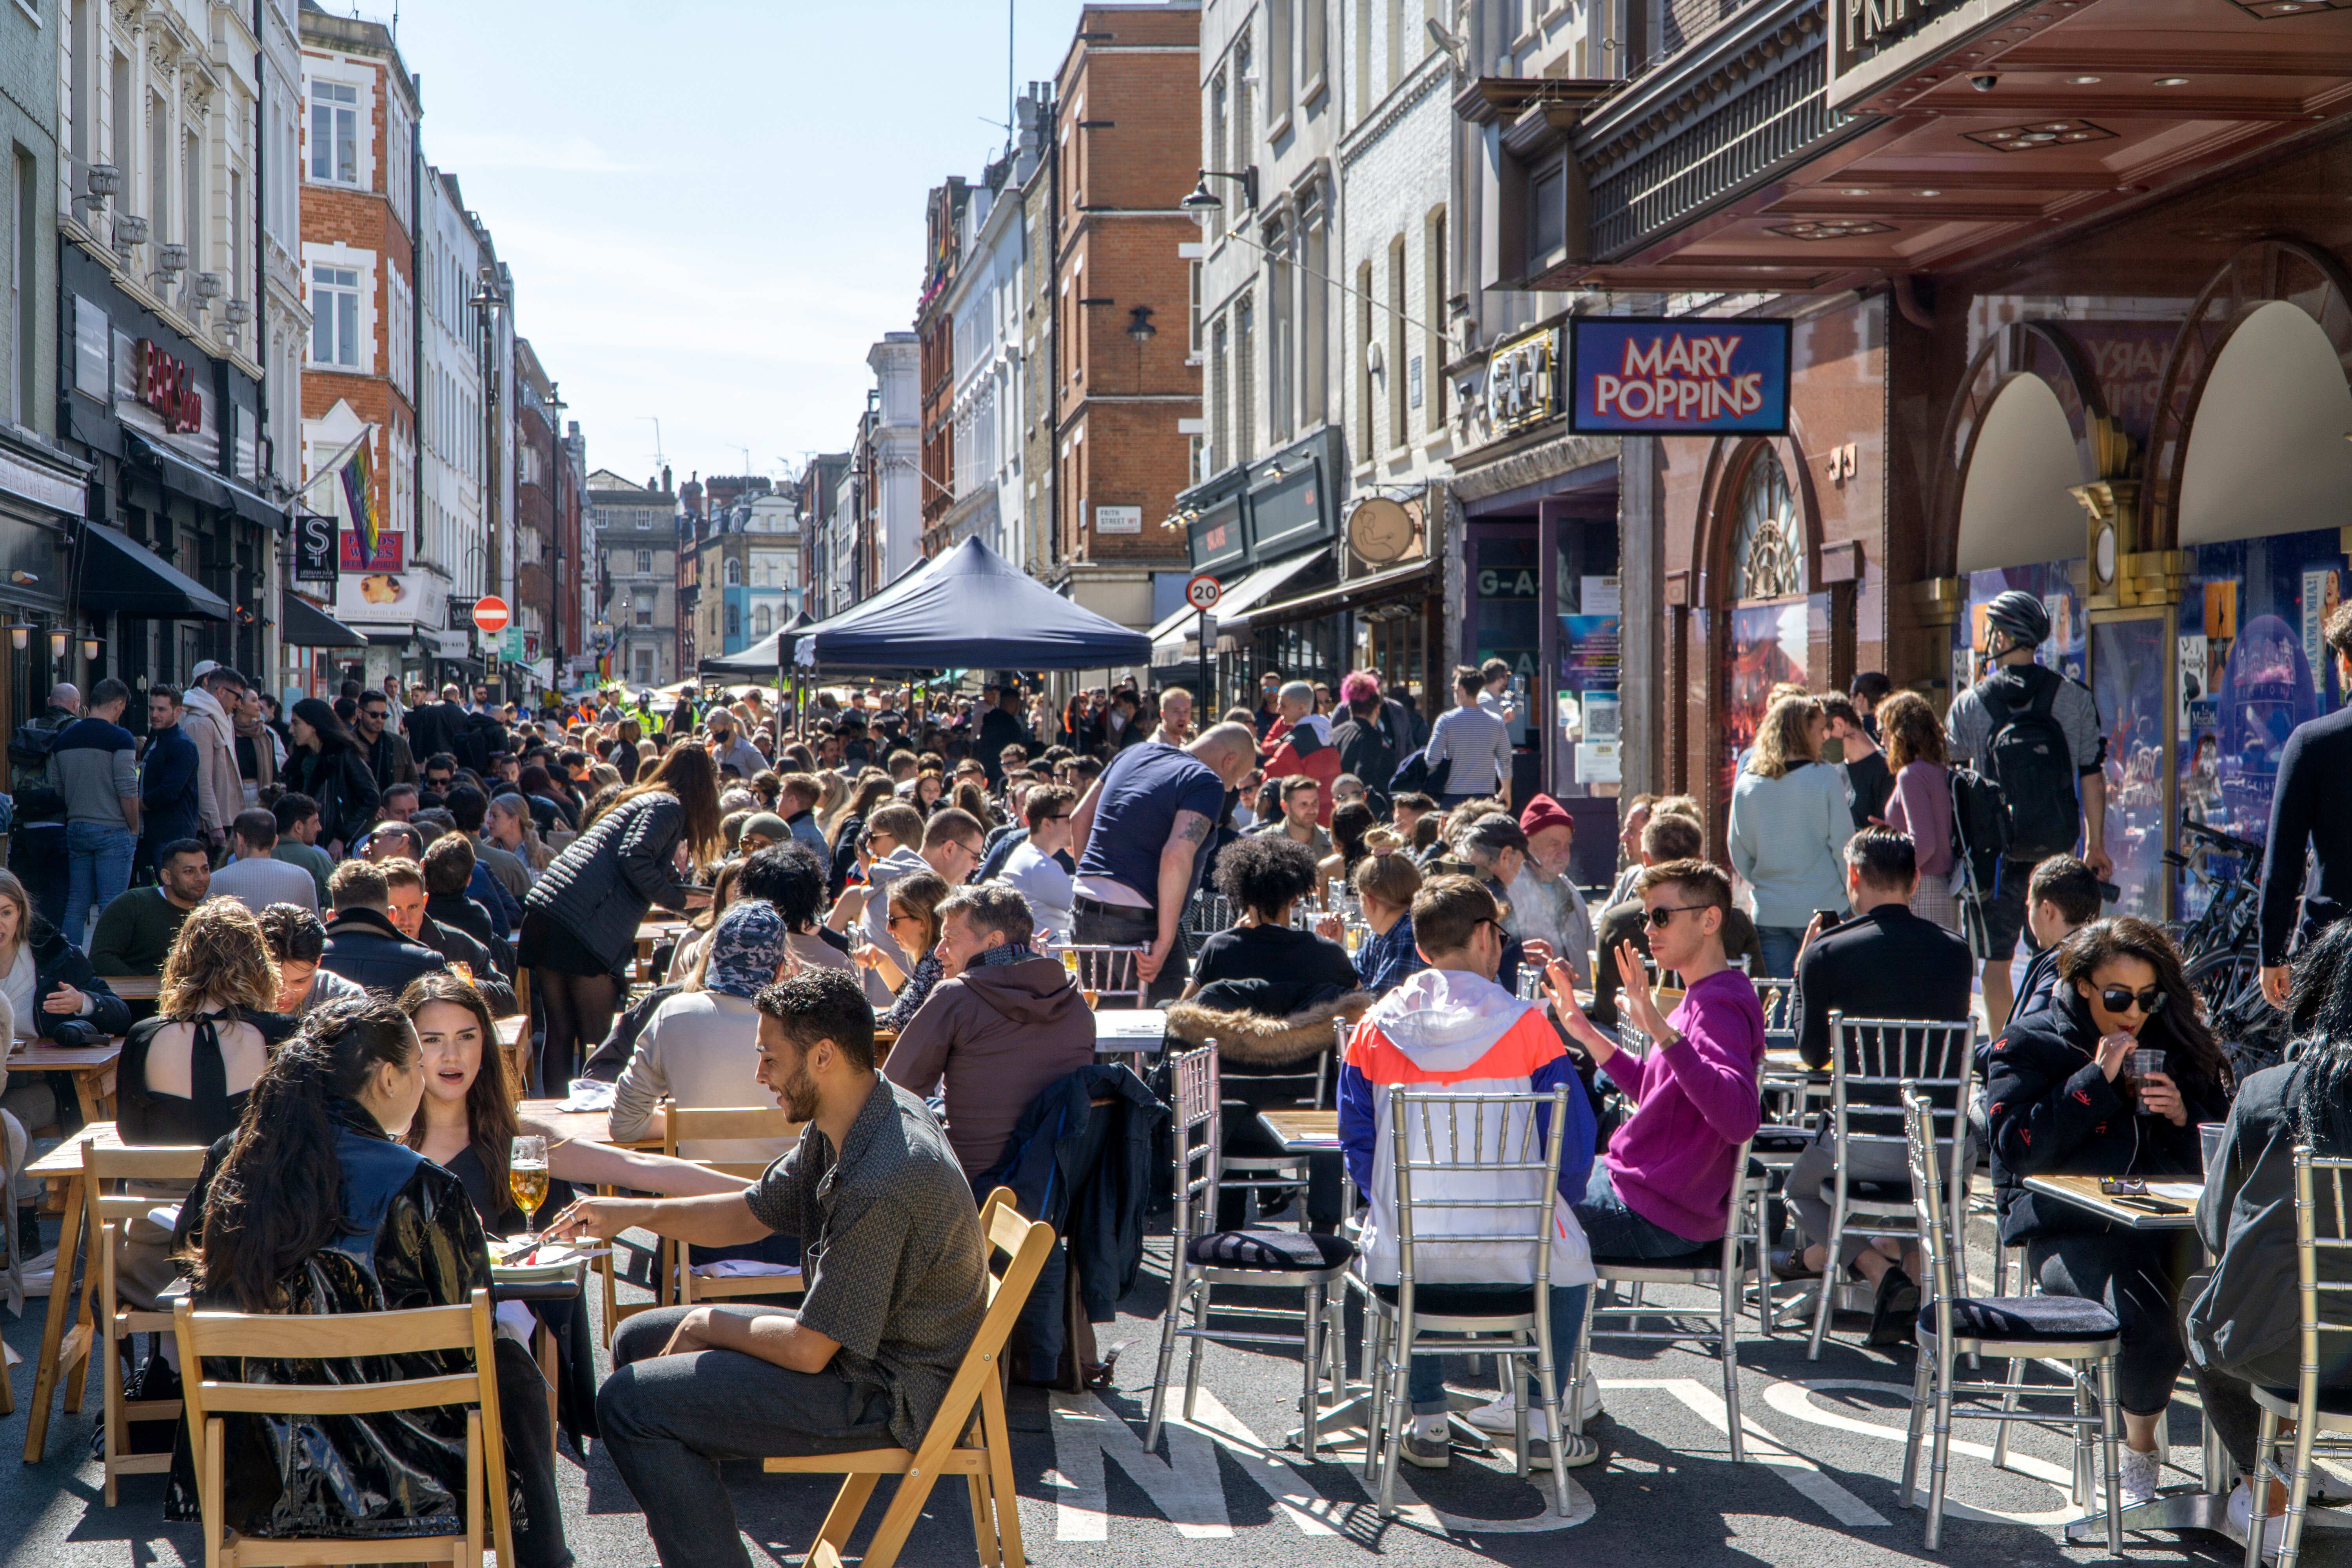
[[2069, 1092], [327, 765], [579, 923], [467, 1124], [314, 1206]]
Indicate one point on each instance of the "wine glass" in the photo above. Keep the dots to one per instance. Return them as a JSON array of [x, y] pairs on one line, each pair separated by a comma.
[[526, 1175]]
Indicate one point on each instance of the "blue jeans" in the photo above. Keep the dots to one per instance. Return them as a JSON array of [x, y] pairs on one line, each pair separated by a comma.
[[1779, 944], [1615, 1231], [1424, 1384], [98, 869]]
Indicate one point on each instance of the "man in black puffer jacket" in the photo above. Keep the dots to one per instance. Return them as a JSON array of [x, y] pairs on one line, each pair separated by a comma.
[[362, 944]]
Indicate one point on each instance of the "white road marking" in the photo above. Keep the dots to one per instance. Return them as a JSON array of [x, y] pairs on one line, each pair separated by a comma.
[[1795, 1399], [1185, 1486], [1801, 1473]]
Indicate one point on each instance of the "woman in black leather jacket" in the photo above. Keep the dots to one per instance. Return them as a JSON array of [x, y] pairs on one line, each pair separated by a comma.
[[327, 765], [579, 923], [2061, 1099], [324, 1120]]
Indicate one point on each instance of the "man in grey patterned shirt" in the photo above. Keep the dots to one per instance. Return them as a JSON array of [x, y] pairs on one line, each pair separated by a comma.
[[896, 1273]]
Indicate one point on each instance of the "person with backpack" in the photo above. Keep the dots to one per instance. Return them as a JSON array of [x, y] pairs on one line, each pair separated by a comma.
[[36, 841], [1366, 745], [2033, 735]]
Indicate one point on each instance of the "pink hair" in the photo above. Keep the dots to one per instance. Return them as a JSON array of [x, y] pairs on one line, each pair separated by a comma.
[[1361, 686]]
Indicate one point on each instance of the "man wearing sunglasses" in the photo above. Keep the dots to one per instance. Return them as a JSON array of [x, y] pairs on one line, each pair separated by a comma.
[[1884, 963]]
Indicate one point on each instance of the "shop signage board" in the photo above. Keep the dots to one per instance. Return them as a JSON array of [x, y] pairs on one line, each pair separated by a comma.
[[317, 557], [168, 387], [1523, 381], [1693, 376], [391, 553]]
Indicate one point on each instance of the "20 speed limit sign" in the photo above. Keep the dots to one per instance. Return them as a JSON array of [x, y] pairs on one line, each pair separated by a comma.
[[1202, 593]]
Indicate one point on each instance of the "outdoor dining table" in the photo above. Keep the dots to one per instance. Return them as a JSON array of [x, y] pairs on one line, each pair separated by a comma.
[[92, 1068], [1132, 1033], [2206, 1505], [64, 1353], [135, 987]]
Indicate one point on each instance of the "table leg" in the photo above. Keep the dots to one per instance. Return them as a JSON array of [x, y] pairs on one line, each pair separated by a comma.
[[53, 1328]]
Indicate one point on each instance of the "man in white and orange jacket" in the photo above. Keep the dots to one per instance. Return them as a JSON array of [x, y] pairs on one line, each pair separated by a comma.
[[1450, 1029]]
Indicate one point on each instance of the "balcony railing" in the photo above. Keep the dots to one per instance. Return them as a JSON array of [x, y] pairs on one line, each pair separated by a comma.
[[1642, 187]]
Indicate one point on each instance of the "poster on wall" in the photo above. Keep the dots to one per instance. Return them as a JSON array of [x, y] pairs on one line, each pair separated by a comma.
[[1645, 376], [1770, 644], [2319, 602], [390, 554], [1588, 652]]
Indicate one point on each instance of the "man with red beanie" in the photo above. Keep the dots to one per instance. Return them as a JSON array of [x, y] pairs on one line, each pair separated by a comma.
[[1544, 896]]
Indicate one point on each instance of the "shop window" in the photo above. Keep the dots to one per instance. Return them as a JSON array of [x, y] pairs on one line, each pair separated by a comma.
[[1768, 558]]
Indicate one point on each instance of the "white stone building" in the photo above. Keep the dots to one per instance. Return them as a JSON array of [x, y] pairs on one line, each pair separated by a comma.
[[984, 300]]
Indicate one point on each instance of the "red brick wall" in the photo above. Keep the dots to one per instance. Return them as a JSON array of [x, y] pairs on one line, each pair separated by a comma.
[[1144, 161]]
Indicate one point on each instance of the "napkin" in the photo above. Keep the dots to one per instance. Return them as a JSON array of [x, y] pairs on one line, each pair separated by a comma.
[[589, 1094]]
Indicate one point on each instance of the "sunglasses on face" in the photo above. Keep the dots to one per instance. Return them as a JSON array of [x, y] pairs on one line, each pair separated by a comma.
[[1662, 916], [2116, 998]]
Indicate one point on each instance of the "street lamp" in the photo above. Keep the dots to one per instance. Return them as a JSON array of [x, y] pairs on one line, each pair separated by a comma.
[[1203, 199], [1138, 326]]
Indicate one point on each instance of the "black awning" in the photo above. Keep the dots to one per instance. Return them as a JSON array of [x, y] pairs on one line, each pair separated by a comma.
[[123, 576], [214, 488], [306, 626]]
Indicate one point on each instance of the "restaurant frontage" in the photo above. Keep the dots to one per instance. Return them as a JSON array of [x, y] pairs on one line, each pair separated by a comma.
[[2068, 309]]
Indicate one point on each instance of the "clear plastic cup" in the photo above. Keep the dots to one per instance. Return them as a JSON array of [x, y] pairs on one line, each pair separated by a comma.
[[2146, 1060], [2209, 1137]]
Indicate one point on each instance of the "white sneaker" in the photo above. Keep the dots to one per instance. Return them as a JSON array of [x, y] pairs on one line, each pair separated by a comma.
[[2241, 1520], [2139, 1476], [1495, 1415]]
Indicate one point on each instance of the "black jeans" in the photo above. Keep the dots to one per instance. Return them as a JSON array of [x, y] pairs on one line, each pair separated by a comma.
[[530, 1438], [668, 1420], [2138, 1279], [1097, 924]]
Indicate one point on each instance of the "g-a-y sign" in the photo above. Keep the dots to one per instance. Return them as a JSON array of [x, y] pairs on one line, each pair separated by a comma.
[[1690, 376]]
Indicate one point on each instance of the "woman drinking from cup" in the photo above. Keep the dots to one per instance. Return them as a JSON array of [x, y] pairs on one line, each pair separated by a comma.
[[2111, 1080]]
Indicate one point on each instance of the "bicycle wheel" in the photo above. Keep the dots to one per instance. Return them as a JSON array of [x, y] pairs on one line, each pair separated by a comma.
[[2222, 978]]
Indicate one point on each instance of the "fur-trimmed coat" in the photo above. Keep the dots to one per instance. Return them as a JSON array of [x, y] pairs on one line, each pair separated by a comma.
[[1250, 1037]]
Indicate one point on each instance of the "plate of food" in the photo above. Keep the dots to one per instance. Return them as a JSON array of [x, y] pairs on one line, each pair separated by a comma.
[[528, 1261]]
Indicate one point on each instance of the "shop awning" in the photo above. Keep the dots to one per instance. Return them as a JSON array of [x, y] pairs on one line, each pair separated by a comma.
[[1234, 606], [123, 577], [305, 625], [196, 479], [1353, 596]]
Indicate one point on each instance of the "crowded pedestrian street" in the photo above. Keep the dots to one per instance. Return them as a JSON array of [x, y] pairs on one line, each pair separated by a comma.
[[1176, 782]]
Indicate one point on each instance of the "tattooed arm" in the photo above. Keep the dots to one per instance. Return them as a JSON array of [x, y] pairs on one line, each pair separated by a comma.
[[1185, 837]]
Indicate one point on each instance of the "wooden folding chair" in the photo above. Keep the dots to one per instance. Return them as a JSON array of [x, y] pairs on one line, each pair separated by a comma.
[[296, 1336], [687, 1125], [968, 1436], [111, 1211]]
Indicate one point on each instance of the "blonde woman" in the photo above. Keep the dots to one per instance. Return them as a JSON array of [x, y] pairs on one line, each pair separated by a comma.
[[1921, 804], [507, 825], [1790, 822], [185, 1073]]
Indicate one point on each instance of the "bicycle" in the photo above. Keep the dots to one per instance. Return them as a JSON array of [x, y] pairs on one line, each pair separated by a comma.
[[2220, 949]]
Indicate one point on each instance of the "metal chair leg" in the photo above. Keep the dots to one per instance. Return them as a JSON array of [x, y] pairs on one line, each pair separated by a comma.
[[1922, 1372], [1311, 1359], [1727, 1347], [2298, 1497], [1939, 1458], [1177, 1275], [2258, 1481], [2108, 1427], [1193, 1352]]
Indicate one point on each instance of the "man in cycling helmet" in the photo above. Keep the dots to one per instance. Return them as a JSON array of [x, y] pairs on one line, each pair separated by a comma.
[[2036, 734]]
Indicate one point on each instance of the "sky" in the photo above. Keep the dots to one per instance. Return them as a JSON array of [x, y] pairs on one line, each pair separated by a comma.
[[713, 208]]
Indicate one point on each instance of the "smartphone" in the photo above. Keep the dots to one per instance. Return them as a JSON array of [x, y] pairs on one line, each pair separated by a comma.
[[2109, 892], [1830, 917]]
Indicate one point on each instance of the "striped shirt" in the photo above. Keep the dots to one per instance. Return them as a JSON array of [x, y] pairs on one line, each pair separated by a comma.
[[1478, 743]]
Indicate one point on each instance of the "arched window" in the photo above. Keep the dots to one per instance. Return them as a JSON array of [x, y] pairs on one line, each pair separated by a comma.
[[1767, 549], [764, 621], [734, 572]]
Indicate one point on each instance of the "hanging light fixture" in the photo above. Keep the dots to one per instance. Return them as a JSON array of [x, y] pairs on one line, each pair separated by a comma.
[[20, 635], [58, 637], [90, 647]]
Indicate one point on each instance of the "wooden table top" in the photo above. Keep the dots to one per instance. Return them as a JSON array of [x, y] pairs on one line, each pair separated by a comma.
[[135, 987], [588, 1126], [40, 1055], [2084, 1193], [1303, 1131]]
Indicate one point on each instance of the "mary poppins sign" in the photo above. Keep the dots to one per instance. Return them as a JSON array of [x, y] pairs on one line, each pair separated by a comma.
[[1691, 376]]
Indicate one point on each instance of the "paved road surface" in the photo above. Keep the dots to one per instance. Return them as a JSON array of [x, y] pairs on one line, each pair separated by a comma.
[[1818, 1488]]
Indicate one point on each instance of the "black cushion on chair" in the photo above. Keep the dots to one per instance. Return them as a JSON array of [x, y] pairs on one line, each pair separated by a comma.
[[1280, 1250], [2049, 1318], [1465, 1300]]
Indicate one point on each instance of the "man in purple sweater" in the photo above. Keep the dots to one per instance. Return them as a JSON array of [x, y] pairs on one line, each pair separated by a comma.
[[1664, 1188]]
